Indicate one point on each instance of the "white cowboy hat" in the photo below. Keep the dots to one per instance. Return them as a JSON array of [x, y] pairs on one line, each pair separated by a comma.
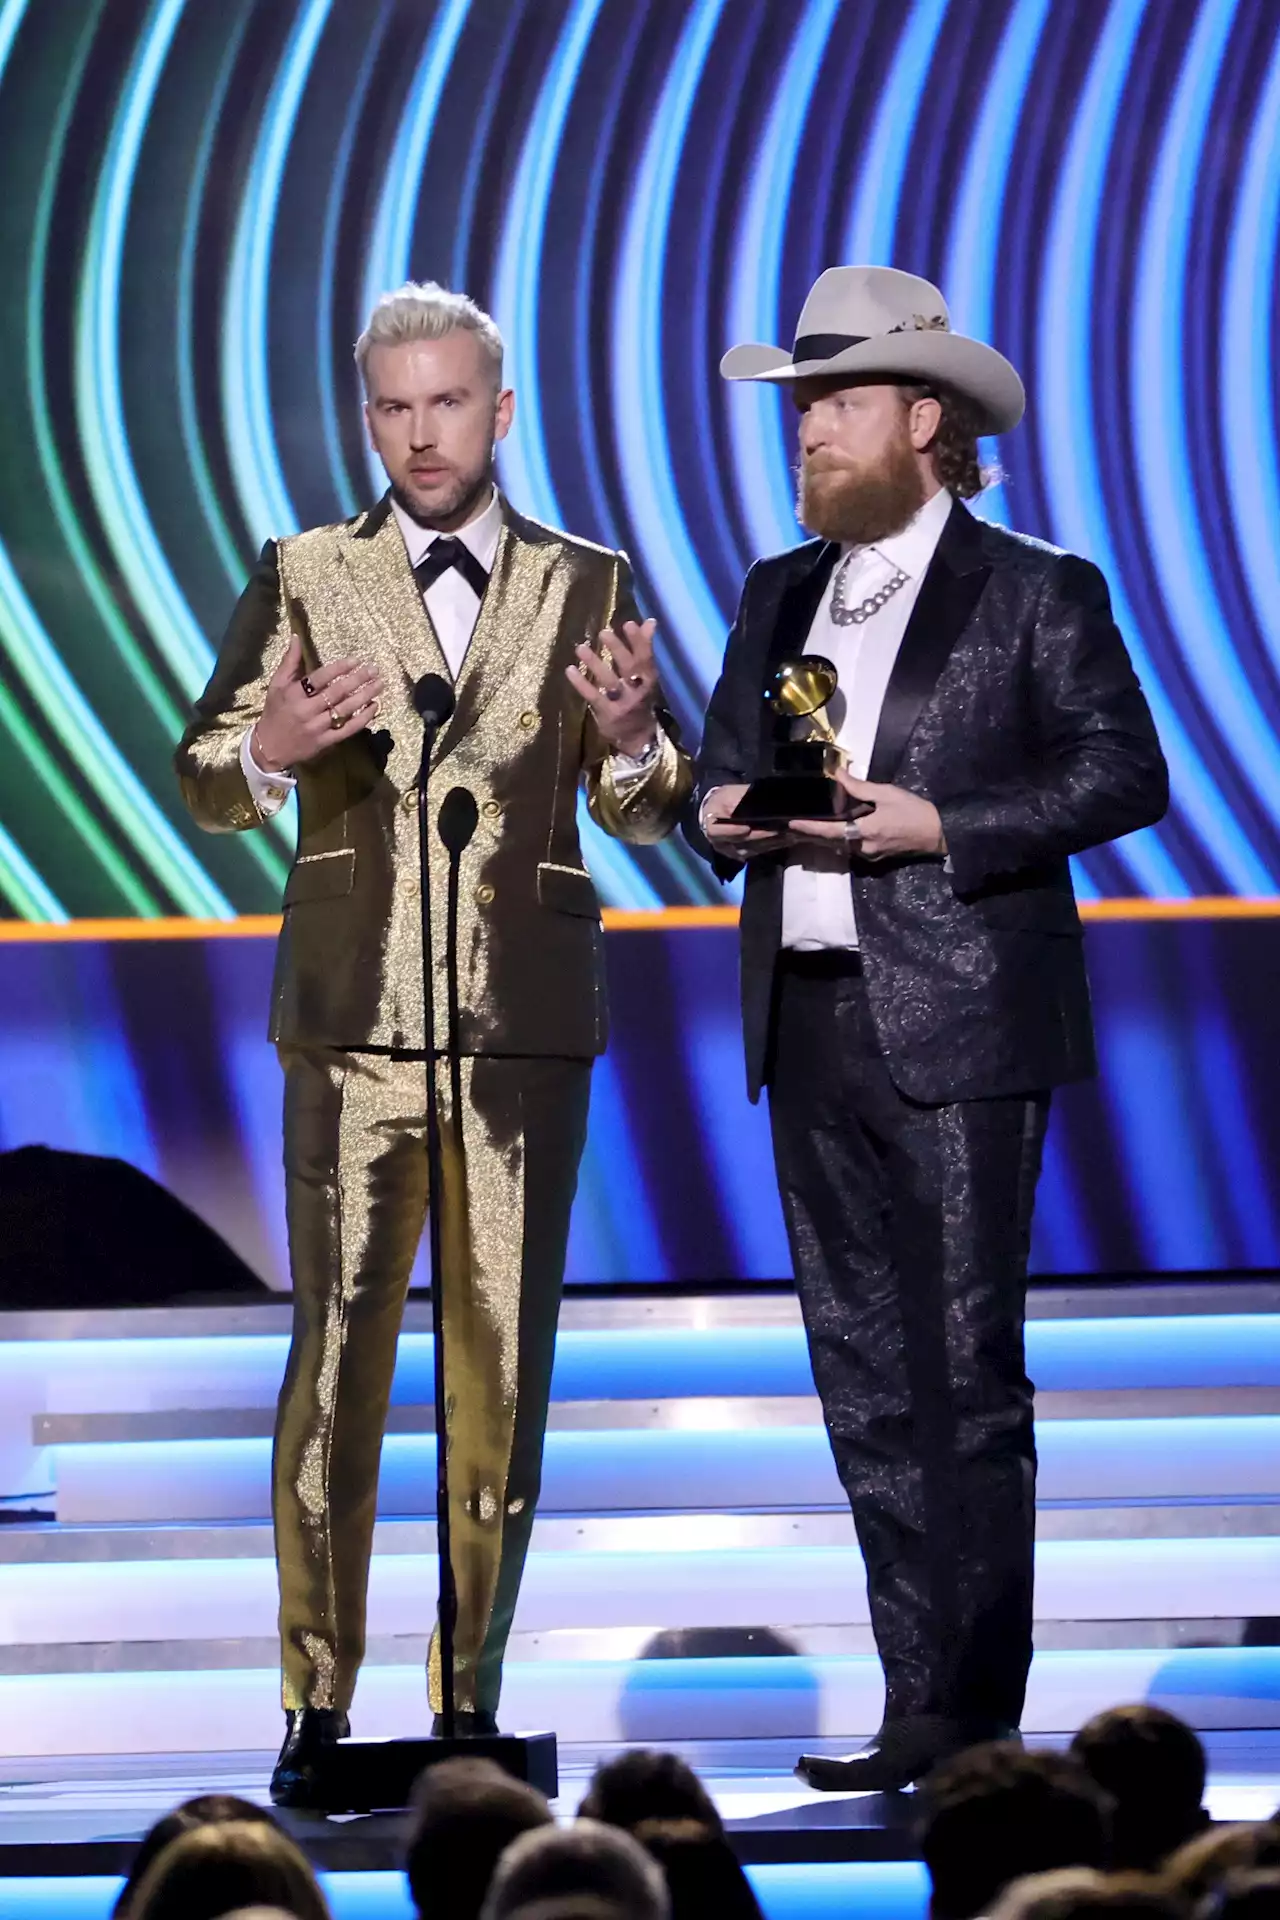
[[869, 321]]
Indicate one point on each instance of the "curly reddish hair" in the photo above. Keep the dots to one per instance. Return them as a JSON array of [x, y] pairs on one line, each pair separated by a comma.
[[954, 446]]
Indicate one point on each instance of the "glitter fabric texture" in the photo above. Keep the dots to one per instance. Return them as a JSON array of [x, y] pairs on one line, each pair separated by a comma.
[[531, 960], [348, 1017], [1014, 707], [909, 1227], [357, 1197]]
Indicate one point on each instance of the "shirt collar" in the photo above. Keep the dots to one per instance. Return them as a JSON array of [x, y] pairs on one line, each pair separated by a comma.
[[480, 534], [911, 550]]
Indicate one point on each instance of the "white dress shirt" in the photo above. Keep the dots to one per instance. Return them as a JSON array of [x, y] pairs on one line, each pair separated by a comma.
[[454, 607], [817, 899]]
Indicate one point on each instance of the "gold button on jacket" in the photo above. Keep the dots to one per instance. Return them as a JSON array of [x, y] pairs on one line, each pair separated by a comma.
[[349, 966]]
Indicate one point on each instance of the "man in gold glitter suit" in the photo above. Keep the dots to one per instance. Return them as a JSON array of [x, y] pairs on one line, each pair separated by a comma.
[[555, 684]]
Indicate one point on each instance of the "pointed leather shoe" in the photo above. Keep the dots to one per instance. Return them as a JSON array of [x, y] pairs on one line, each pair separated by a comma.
[[467, 1725], [902, 1753], [308, 1730]]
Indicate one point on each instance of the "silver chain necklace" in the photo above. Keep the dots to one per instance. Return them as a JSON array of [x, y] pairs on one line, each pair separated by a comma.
[[846, 616]]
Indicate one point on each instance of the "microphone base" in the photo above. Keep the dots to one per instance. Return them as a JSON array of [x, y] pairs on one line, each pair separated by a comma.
[[375, 1776]]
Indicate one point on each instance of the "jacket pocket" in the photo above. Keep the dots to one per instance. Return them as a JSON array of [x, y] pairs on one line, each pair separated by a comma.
[[321, 876], [567, 890]]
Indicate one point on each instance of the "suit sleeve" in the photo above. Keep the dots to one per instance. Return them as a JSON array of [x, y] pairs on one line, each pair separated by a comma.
[[210, 772], [730, 735], [1101, 772], [640, 810]]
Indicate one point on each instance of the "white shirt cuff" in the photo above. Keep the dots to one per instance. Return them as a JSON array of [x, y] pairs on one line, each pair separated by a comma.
[[269, 790], [627, 770], [707, 798]]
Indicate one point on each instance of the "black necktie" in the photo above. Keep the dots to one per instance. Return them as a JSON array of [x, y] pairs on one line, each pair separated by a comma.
[[447, 552]]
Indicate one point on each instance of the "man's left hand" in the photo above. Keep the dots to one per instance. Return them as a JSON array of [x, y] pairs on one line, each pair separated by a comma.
[[618, 679], [903, 823]]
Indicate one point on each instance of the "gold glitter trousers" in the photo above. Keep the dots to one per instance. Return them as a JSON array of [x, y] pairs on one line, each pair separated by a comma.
[[356, 1183]]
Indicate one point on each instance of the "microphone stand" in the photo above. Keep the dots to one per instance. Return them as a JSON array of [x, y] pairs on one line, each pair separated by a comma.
[[448, 1606], [361, 1776]]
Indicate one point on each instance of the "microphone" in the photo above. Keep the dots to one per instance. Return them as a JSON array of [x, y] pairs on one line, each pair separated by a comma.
[[433, 700], [459, 817]]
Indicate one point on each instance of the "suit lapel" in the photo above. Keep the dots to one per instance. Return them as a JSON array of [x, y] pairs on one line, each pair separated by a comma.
[[378, 567], [517, 587], [801, 596], [948, 595]]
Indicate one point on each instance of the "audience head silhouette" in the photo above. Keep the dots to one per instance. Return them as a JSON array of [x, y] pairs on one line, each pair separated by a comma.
[[647, 1784], [585, 1859], [1153, 1766], [1199, 1868], [1082, 1893], [702, 1872], [206, 1810], [996, 1813], [214, 1871], [466, 1813]]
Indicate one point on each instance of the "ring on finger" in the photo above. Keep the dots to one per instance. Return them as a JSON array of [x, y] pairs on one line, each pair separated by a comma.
[[635, 679], [335, 719]]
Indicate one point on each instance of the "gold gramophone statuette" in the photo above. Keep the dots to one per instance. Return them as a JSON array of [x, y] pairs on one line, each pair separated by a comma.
[[800, 783]]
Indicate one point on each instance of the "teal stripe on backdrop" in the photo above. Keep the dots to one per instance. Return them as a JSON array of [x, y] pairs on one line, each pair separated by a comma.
[[735, 149]]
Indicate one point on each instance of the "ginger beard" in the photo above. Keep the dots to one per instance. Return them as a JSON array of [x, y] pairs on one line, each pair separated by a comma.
[[858, 504]]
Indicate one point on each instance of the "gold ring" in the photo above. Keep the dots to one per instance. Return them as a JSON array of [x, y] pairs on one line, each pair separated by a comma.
[[335, 719], [635, 680]]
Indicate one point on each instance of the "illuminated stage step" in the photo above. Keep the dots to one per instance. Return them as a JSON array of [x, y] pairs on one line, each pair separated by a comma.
[[603, 1702], [1222, 1457], [585, 1605]]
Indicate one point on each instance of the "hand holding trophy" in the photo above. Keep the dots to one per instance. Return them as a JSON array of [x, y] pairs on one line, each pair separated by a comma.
[[803, 783]]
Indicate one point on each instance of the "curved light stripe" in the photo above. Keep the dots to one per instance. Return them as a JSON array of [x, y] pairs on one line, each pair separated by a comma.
[[387, 263], [526, 469], [762, 456], [1069, 453], [88, 572], [1157, 372], [99, 401], [1247, 368], [974, 241], [326, 288], [873, 218], [142, 823], [102, 766], [694, 619], [22, 886], [246, 383], [11, 17], [220, 534]]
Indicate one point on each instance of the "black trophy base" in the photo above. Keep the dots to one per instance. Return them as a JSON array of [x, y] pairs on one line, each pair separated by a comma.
[[374, 1776], [780, 798]]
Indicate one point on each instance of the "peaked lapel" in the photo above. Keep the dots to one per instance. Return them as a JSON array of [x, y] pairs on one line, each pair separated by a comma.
[[379, 569], [517, 587], [810, 570], [948, 595]]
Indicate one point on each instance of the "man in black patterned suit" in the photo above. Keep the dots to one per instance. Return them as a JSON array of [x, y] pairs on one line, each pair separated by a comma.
[[913, 981]]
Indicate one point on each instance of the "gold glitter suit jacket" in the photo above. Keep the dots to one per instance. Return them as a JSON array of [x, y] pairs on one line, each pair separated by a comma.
[[348, 971]]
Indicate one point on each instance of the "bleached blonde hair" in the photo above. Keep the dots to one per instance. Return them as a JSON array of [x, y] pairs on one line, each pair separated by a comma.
[[423, 310]]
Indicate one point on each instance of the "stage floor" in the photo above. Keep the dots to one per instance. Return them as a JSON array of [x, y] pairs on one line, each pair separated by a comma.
[[83, 1817]]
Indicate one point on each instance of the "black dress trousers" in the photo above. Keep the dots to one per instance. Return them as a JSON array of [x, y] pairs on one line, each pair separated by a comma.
[[909, 1228]]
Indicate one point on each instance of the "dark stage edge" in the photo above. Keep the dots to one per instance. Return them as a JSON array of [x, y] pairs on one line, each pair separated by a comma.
[[69, 1819]]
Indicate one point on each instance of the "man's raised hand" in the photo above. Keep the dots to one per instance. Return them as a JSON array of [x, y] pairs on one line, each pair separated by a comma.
[[306, 714]]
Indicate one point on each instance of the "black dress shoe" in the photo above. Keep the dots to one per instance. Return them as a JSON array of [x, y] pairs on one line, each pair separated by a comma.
[[902, 1753], [308, 1730], [467, 1725]]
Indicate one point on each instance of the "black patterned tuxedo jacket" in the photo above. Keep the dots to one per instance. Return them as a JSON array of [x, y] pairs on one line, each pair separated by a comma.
[[1014, 707]]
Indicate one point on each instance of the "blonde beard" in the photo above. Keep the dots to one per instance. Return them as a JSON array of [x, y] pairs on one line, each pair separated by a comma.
[[859, 505]]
